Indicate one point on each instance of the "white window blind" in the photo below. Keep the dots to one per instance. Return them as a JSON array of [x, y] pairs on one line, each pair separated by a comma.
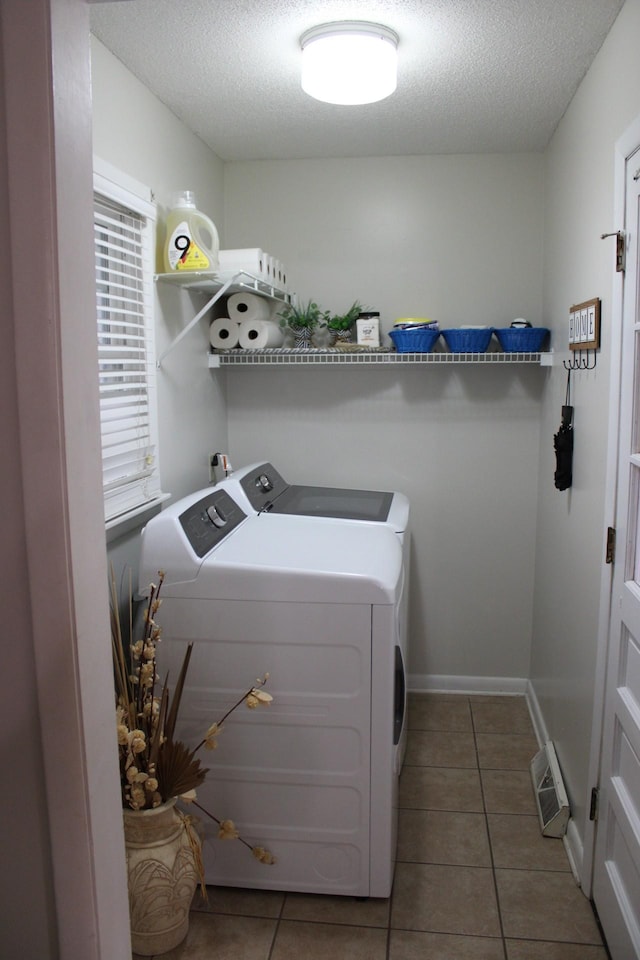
[[123, 232]]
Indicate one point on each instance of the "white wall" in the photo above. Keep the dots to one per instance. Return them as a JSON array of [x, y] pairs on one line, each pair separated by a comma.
[[136, 133], [579, 266], [458, 239]]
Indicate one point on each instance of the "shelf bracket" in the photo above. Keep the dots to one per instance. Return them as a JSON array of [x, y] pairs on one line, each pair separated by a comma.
[[219, 293]]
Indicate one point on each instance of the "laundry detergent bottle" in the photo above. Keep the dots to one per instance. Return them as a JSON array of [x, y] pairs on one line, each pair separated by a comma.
[[192, 239]]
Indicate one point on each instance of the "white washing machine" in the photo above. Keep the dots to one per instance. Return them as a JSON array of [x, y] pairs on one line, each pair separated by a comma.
[[259, 488], [313, 777]]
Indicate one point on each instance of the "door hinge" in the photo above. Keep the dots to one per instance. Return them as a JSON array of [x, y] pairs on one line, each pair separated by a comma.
[[593, 806], [610, 553]]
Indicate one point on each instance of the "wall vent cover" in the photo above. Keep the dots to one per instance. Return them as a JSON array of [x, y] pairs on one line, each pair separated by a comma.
[[551, 797]]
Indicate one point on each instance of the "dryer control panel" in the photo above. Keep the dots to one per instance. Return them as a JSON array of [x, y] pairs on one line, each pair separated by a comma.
[[263, 485], [207, 522]]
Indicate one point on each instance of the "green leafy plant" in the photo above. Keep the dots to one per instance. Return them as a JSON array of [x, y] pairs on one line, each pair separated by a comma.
[[346, 320], [303, 316]]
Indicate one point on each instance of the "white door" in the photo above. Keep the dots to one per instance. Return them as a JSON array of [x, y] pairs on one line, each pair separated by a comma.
[[616, 878]]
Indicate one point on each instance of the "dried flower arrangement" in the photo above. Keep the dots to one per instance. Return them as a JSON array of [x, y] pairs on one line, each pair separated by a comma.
[[154, 766]]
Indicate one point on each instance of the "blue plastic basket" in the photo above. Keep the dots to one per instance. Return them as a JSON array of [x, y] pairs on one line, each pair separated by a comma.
[[521, 339], [468, 341], [414, 341]]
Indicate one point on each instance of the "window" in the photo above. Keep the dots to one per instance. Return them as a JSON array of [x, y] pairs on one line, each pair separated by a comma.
[[124, 221]]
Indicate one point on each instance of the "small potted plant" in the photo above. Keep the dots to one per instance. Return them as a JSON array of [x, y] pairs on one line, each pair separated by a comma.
[[302, 320], [341, 326]]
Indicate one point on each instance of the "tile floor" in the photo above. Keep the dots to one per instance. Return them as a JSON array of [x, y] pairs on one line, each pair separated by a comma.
[[475, 879]]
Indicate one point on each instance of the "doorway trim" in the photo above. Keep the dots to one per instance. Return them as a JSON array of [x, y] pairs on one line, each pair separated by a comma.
[[625, 146], [47, 93]]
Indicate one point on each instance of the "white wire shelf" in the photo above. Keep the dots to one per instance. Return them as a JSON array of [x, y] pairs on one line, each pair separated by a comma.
[[328, 356], [211, 282], [216, 284]]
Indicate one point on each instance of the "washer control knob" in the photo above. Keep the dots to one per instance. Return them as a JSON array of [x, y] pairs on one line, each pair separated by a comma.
[[216, 516], [263, 483]]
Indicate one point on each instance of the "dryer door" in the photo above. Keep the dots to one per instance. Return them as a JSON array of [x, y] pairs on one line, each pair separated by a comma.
[[399, 697]]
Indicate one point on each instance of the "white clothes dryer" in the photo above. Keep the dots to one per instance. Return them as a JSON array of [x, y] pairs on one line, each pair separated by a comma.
[[313, 777], [260, 489]]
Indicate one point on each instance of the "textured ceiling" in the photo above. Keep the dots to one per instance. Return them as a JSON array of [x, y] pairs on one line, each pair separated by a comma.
[[474, 76]]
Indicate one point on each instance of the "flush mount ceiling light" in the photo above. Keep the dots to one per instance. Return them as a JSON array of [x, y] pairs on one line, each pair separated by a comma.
[[349, 62]]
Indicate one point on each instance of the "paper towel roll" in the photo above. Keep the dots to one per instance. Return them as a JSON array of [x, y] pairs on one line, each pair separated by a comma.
[[224, 333], [248, 306], [260, 334]]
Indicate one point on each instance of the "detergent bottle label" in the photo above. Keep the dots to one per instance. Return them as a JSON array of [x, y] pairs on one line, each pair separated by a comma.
[[183, 252]]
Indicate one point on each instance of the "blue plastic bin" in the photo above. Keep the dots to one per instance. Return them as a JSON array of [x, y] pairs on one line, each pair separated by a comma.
[[414, 341], [521, 339], [468, 341]]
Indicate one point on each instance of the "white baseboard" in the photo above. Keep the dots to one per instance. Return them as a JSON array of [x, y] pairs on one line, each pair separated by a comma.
[[537, 719], [435, 683], [574, 849]]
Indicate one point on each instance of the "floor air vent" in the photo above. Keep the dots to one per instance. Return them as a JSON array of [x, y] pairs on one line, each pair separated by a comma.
[[551, 797]]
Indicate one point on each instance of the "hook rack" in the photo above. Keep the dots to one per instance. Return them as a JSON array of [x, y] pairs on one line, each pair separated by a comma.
[[581, 362], [584, 335]]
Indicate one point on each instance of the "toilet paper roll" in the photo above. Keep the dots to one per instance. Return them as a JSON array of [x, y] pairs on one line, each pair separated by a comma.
[[248, 306], [224, 333], [260, 334]]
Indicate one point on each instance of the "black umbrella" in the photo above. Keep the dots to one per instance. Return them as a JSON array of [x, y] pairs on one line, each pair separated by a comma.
[[563, 444]]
